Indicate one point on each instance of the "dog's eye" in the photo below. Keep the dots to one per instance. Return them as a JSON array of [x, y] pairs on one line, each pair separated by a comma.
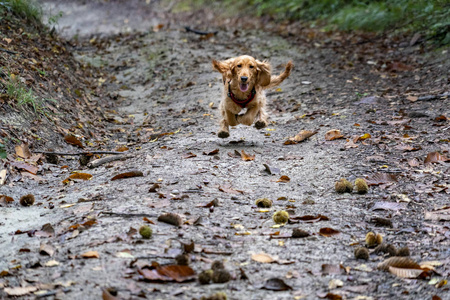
[[251, 67], [239, 66]]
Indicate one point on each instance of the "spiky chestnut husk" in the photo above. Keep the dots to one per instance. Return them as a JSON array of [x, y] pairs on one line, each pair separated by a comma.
[[216, 296], [371, 239], [183, 259], [205, 276], [27, 200], [217, 265], [379, 239], [361, 186], [299, 233], [343, 186], [403, 251], [281, 217], [361, 253], [221, 276], [263, 202], [391, 250], [145, 231]]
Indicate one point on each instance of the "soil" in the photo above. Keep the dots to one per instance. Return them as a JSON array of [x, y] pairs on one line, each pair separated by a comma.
[[158, 99]]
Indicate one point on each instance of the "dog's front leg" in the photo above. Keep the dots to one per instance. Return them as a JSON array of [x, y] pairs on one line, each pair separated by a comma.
[[261, 119], [229, 119], [249, 117]]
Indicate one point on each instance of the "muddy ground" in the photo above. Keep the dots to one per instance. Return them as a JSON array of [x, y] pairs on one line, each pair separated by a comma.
[[163, 99]]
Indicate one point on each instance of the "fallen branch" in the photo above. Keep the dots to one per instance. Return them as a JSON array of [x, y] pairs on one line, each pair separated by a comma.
[[188, 29], [7, 51], [80, 153], [127, 215], [434, 97], [98, 162]]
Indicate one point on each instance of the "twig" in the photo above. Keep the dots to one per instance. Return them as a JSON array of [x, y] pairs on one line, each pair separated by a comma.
[[80, 153], [98, 162], [126, 215], [8, 51], [433, 97], [188, 29]]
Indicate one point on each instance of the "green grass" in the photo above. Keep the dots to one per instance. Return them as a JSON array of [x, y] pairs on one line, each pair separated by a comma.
[[24, 97], [27, 9], [2, 150], [430, 17]]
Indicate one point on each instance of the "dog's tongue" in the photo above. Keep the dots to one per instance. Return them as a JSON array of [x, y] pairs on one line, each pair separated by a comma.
[[243, 87]]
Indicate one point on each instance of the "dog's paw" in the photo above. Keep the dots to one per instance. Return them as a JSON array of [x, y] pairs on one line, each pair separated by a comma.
[[223, 134], [260, 124]]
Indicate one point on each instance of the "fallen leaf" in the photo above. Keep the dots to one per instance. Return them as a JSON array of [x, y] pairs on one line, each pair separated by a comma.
[[329, 296], [405, 273], [46, 249], [189, 155], [107, 295], [328, 232], [300, 137], [308, 218], [263, 258], [276, 284], [20, 291], [90, 254], [82, 176], [363, 137], [284, 178], [24, 166], [350, 144], [168, 273], [381, 178], [6, 199], [3, 176], [128, 175], [435, 157], [412, 98], [413, 162], [230, 190], [171, 218], [271, 170], [23, 151], [247, 157], [122, 149], [332, 269], [213, 152], [398, 262], [71, 139], [335, 283], [383, 205], [47, 230], [438, 215], [333, 134]]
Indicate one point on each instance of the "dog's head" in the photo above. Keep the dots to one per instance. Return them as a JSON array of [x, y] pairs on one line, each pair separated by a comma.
[[244, 71]]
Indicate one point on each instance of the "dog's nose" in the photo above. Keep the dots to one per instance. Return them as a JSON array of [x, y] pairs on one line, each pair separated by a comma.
[[244, 78]]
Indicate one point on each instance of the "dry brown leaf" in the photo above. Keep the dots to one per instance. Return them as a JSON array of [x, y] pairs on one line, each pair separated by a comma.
[[350, 144], [383, 205], [23, 151], [106, 295], [438, 215], [405, 273], [168, 273], [263, 258], [128, 175], [276, 284], [332, 269], [284, 178], [381, 178], [300, 137], [20, 291], [363, 137], [309, 218], [189, 155], [90, 254], [398, 262], [47, 249], [213, 152], [413, 162], [24, 166], [6, 199], [122, 149], [3, 176], [327, 231], [82, 176], [247, 157], [171, 218], [435, 157], [71, 139], [333, 134]]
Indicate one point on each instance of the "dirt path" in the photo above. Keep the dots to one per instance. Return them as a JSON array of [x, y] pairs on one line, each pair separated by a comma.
[[164, 99]]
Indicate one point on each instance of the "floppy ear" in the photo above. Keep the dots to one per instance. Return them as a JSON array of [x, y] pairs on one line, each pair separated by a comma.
[[264, 70], [221, 66]]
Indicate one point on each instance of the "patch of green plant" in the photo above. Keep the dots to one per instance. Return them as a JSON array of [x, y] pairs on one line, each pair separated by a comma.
[[24, 97], [2, 150], [28, 9]]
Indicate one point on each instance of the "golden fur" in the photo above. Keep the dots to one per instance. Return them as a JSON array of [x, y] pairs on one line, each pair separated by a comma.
[[241, 74]]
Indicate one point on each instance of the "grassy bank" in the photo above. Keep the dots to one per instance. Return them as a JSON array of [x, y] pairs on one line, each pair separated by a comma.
[[430, 17]]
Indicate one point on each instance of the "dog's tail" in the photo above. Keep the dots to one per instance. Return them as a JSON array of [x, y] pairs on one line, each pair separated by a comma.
[[276, 80]]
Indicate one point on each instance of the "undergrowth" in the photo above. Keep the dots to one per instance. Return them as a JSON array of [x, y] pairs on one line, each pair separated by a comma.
[[27, 9], [430, 17]]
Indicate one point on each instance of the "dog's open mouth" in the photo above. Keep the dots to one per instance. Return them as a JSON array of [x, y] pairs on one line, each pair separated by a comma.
[[243, 87]]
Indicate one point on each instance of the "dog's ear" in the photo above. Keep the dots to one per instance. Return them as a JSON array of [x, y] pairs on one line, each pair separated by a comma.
[[221, 66], [264, 71]]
